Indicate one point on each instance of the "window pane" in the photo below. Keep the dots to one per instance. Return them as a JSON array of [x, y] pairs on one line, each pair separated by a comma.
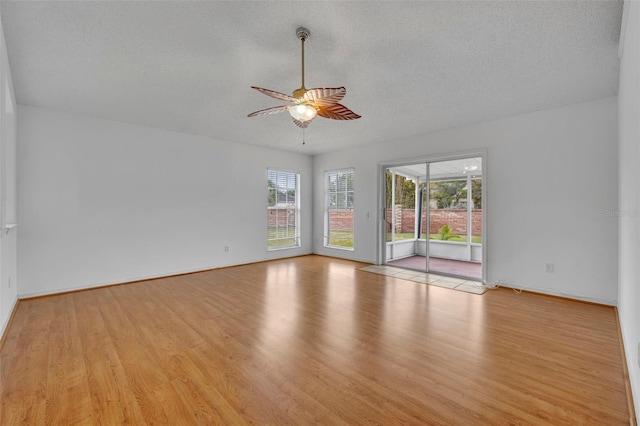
[[388, 202], [476, 210], [333, 200], [423, 212], [448, 212], [332, 184], [342, 200], [342, 182], [291, 232], [271, 197], [271, 232], [283, 210], [400, 207], [339, 229], [349, 182]]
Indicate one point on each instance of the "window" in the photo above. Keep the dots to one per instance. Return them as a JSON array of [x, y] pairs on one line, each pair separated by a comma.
[[338, 229], [283, 209]]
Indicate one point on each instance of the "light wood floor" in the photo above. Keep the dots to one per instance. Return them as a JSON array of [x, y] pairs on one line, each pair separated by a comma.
[[310, 340]]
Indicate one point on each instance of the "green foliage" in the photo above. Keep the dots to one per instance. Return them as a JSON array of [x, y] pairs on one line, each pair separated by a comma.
[[445, 233], [341, 239], [448, 193], [340, 188], [405, 191], [271, 193], [476, 193], [401, 236], [275, 194], [340, 181]]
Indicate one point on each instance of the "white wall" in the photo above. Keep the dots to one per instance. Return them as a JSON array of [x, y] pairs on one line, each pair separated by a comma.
[[629, 228], [103, 202], [8, 276], [551, 177]]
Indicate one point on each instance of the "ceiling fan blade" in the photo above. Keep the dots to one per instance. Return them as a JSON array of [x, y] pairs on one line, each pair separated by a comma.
[[337, 112], [301, 124], [274, 94], [325, 96], [269, 111]]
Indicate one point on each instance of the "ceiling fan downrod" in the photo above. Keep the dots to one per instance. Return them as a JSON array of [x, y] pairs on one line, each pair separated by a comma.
[[303, 34]]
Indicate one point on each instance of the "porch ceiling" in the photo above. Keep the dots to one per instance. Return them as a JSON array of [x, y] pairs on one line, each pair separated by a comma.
[[441, 169]]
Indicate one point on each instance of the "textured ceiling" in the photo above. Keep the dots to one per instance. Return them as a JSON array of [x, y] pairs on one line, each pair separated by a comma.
[[409, 67]]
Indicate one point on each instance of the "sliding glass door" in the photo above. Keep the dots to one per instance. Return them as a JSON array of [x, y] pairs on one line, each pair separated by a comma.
[[433, 216]]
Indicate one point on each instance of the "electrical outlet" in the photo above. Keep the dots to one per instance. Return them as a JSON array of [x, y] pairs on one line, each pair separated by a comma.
[[226, 249], [548, 267]]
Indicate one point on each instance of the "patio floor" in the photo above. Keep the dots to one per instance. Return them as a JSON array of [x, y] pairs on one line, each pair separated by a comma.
[[436, 264]]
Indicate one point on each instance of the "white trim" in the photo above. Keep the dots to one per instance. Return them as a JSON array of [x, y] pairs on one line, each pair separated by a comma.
[[343, 170], [457, 155], [3, 329], [623, 28], [278, 169], [133, 280], [341, 247], [550, 292]]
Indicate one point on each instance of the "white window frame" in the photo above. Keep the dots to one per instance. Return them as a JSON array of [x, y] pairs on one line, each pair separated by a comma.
[[292, 209], [329, 206]]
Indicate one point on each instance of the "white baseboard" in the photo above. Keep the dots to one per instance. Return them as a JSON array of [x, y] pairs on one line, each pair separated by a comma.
[[5, 323]]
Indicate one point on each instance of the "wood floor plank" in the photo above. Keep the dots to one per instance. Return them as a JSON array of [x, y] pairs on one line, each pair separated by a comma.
[[111, 397], [25, 379], [309, 340]]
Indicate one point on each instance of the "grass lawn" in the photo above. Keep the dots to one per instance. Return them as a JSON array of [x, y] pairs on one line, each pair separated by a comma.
[[345, 238], [287, 242], [280, 237], [341, 239], [401, 236]]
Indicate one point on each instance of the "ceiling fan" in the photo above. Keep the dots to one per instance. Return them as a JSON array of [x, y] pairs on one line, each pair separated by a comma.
[[307, 103]]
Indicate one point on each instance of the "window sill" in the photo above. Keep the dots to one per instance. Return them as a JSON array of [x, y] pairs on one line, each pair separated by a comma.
[[340, 248], [282, 248]]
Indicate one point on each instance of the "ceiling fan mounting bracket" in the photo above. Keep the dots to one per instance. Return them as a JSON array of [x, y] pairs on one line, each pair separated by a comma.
[[302, 33]]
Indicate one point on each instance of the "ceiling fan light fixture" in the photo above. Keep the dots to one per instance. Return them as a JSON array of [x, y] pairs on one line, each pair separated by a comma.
[[307, 103], [303, 112]]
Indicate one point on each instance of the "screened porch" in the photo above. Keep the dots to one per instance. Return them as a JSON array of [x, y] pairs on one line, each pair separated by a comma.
[[434, 217]]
